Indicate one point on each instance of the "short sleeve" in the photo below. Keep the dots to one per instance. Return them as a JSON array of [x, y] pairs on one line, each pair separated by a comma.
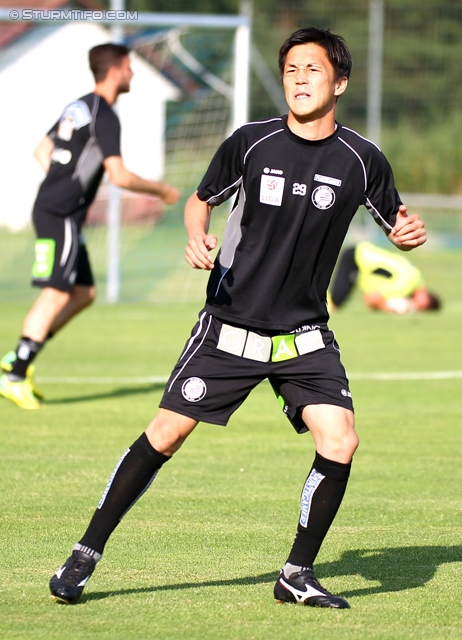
[[107, 131], [223, 177], [381, 198]]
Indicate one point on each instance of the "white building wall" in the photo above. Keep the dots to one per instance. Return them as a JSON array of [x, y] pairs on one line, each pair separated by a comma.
[[43, 72]]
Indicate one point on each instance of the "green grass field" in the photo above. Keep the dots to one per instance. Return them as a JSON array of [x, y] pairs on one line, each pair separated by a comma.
[[197, 557]]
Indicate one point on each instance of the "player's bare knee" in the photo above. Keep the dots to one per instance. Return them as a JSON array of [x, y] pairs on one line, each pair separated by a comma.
[[83, 296], [91, 295], [340, 447], [168, 431], [352, 442]]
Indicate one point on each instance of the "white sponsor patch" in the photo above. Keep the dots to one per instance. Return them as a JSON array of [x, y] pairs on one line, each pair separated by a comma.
[[323, 197], [258, 347], [75, 116], [319, 178], [309, 341], [194, 389], [312, 483], [271, 190], [244, 343], [232, 340], [66, 129]]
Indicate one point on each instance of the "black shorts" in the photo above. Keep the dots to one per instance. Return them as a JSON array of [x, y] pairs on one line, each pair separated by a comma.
[[61, 258], [221, 364]]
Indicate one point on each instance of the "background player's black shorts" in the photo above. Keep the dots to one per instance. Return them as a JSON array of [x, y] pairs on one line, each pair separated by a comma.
[[61, 258], [208, 383]]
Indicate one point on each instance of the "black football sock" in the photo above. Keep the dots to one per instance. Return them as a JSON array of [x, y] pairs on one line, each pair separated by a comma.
[[132, 476], [26, 351], [321, 497]]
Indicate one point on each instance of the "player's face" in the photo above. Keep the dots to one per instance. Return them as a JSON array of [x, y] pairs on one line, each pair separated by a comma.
[[125, 74], [309, 82]]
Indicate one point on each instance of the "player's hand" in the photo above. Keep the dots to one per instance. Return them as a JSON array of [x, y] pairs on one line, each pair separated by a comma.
[[169, 194], [408, 232], [197, 253]]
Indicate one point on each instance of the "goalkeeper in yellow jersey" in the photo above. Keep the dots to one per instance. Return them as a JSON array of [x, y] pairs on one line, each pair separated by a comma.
[[388, 281]]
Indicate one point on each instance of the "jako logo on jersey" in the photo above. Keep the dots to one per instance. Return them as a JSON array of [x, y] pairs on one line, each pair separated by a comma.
[[194, 389], [346, 393], [277, 172], [323, 197], [271, 190]]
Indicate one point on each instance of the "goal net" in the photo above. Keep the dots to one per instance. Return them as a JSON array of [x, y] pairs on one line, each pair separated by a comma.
[[199, 63]]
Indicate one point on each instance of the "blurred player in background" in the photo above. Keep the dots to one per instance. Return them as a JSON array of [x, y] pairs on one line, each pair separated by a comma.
[[298, 180], [388, 281], [75, 153]]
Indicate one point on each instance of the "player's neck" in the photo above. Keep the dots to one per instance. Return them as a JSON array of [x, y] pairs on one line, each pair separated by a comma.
[[317, 129], [106, 91]]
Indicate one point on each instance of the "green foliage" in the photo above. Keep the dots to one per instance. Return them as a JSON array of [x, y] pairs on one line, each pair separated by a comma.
[[421, 91], [185, 6], [426, 159]]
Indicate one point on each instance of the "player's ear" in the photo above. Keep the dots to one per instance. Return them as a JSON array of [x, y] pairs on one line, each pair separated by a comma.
[[340, 86]]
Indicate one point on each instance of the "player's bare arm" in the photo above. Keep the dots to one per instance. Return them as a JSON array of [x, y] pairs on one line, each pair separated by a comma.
[[408, 232], [43, 153], [200, 244], [121, 177]]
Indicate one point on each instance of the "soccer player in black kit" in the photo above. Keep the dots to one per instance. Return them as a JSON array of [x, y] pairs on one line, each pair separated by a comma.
[[298, 180], [78, 149]]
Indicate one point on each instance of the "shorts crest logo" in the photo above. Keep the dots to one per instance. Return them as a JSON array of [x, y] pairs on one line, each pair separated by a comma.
[[194, 389], [323, 197]]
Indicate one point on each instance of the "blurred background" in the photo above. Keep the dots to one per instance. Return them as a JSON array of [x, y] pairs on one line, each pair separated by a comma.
[[404, 94]]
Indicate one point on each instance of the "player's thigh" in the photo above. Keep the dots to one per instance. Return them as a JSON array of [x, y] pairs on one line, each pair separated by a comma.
[[82, 296], [333, 430], [315, 378], [57, 250], [207, 383], [84, 274]]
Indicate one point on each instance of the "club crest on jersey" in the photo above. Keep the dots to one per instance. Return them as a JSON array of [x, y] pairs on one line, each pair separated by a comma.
[[271, 190], [323, 197], [194, 389]]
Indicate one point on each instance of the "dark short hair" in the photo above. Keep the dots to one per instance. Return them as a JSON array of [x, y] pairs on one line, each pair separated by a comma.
[[334, 45], [434, 302], [104, 56]]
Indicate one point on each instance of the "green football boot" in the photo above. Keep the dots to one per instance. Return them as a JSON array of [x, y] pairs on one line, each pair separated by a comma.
[[20, 393], [6, 365]]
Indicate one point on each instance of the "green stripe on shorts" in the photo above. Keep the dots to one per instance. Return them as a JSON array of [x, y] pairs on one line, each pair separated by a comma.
[[44, 258]]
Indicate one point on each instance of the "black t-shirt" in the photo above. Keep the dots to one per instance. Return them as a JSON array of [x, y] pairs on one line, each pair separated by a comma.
[[295, 201], [87, 133]]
